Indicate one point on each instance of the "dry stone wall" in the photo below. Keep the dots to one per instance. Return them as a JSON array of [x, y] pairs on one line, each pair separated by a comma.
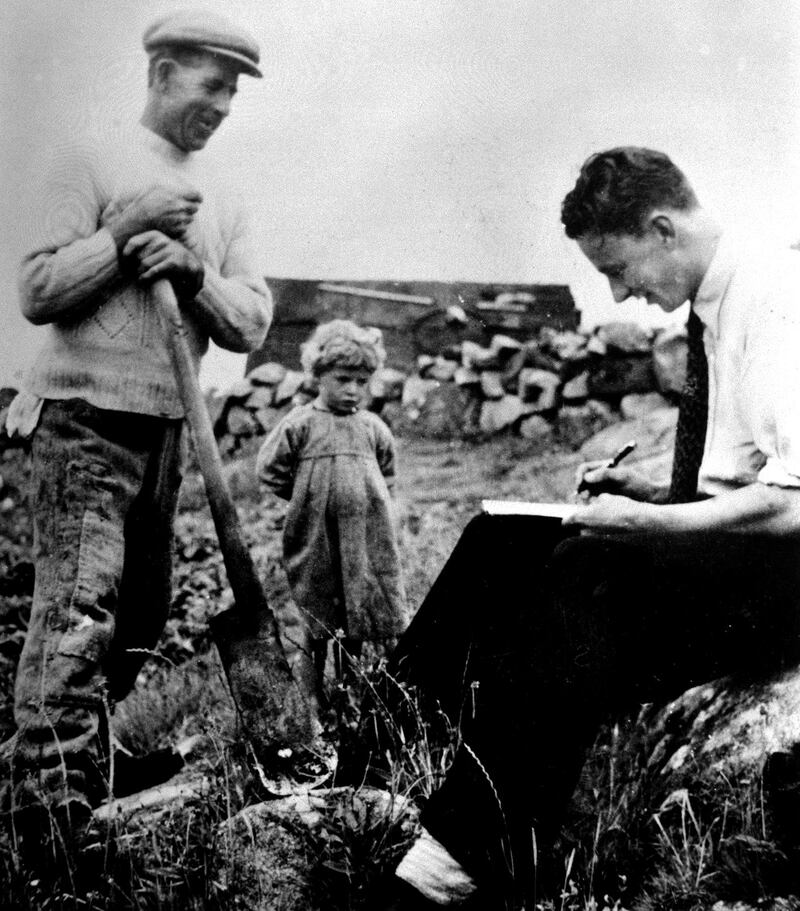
[[557, 386]]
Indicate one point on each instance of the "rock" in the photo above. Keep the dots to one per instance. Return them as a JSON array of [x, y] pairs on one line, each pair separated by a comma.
[[387, 384], [669, 359], [445, 412], [499, 414], [504, 345], [465, 376], [624, 338], [654, 433], [424, 363], [392, 415], [576, 390], [239, 391], [478, 358], [536, 427], [576, 423], [441, 369], [513, 367], [637, 404], [566, 346], [288, 386], [539, 388], [260, 397], [267, 418], [491, 382], [416, 390], [270, 854], [269, 374], [263, 862], [240, 422], [610, 377]]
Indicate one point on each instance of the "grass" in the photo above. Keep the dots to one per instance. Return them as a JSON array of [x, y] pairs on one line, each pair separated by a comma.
[[632, 843]]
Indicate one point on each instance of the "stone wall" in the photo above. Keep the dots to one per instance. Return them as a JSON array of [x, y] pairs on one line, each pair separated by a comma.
[[561, 386]]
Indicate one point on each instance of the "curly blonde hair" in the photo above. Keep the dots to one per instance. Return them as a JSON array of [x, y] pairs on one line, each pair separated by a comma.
[[342, 343]]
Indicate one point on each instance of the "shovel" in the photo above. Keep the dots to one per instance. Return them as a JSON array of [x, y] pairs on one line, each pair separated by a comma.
[[271, 707]]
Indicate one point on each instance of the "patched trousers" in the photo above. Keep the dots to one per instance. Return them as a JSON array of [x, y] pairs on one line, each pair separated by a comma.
[[533, 635], [105, 487]]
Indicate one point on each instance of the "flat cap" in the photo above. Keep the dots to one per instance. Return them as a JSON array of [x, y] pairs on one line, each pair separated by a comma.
[[205, 31]]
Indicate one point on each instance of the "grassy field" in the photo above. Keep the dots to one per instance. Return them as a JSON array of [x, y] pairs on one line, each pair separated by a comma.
[[627, 845]]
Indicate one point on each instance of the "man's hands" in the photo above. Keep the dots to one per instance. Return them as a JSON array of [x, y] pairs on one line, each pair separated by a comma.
[[594, 478], [150, 232], [609, 514], [614, 500], [158, 256], [159, 208]]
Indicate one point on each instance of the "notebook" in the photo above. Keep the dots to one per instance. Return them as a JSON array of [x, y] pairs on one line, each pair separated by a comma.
[[523, 508]]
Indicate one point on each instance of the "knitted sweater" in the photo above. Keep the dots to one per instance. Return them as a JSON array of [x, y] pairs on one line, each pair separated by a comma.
[[107, 345]]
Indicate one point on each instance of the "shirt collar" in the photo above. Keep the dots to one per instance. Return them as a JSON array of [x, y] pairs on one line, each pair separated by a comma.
[[710, 294]]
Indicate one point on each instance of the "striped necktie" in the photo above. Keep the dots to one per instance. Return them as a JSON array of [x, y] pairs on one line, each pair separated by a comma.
[[690, 436]]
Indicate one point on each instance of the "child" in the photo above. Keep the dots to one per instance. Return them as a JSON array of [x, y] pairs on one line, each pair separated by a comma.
[[334, 462]]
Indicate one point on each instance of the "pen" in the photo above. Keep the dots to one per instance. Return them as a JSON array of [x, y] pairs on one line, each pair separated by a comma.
[[618, 456]]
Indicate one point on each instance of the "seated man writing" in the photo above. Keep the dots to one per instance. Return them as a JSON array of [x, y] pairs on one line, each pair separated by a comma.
[[537, 631]]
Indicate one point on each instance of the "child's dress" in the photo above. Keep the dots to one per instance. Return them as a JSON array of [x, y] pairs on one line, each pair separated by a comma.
[[339, 544]]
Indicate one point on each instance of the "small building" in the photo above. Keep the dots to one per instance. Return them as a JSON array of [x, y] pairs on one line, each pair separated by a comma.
[[416, 317]]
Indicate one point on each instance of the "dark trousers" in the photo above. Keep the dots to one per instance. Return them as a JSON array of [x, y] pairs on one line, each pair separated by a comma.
[[105, 487], [531, 637]]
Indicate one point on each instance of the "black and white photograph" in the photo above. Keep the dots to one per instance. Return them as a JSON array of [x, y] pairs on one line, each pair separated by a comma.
[[400, 455]]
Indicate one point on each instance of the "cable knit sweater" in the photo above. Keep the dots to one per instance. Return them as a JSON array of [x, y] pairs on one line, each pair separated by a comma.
[[107, 345]]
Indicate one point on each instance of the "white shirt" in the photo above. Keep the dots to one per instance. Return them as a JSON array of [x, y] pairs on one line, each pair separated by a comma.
[[749, 303]]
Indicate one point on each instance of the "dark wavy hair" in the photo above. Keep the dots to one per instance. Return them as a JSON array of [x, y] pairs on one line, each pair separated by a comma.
[[617, 189]]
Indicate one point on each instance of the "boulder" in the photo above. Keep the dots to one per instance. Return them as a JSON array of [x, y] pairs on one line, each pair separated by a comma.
[[424, 363], [499, 414], [270, 855], [504, 346], [267, 418], [288, 386], [416, 390], [444, 414], [441, 369], [240, 422], [576, 423], [260, 397], [465, 376], [612, 377], [239, 391], [476, 357], [670, 348], [653, 431], [269, 374], [637, 404], [387, 384], [576, 390], [535, 427], [491, 382], [539, 388], [566, 346]]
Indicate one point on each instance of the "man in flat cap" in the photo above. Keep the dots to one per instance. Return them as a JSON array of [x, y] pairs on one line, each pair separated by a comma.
[[117, 214]]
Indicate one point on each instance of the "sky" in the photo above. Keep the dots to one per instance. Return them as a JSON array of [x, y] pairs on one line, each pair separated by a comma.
[[428, 139]]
